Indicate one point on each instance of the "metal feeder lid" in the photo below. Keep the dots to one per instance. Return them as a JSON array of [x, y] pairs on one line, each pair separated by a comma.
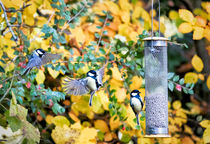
[[156, 38]]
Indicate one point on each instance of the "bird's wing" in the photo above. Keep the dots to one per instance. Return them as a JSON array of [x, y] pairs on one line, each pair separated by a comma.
[[75, 87], [100, 74], [132, 106], [48, 57]]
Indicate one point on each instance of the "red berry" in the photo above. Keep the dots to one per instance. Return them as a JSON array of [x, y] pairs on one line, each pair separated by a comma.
[[38, 113], [178, 87], [28, 84], [123, 128], [51, 102]]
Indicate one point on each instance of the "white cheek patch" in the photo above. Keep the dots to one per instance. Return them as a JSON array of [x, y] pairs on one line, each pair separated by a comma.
[[36, 53], [134, 94], [90, 74], [39, 52]]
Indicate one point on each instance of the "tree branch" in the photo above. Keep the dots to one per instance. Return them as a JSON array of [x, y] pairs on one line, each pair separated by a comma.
[[7, 22], [20, 9], [102, 30], [65, 26], [8, 88]]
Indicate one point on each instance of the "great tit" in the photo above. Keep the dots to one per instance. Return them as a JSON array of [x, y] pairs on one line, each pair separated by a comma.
[[39, 57], [136, 103], [92, 82]]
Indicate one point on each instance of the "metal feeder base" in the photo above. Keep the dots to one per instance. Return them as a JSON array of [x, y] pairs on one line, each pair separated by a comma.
[[157, 132]]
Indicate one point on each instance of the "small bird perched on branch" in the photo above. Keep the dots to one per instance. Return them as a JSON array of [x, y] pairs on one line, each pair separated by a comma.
[[39, 57], [136, 103], [92, 82]]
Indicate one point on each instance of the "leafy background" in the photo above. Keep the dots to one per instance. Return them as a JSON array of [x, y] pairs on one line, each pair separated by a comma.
[[34, 108]]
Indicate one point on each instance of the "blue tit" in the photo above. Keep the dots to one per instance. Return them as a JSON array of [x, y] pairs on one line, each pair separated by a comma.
[[136, 103], [39, 57], [92, 82]]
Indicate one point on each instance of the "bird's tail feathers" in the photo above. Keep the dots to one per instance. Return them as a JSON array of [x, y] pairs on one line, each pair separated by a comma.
[[137, 119]]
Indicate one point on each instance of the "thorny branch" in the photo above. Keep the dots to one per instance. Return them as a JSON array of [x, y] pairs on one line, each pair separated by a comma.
[[20, 9], [102, 30], [7, 22], [65, 26], [46, 23], [8, 88]]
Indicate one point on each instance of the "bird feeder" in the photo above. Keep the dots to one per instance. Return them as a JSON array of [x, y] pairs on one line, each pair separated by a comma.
[[156, 84]]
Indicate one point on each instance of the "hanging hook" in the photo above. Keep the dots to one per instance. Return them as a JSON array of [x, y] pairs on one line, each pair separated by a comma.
[[158, 18]]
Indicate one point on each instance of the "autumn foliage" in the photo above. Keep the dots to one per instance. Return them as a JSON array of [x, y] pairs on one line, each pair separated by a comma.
[[35, 109]]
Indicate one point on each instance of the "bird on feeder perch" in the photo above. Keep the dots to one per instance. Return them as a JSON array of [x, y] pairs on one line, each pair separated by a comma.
[[136, 103]]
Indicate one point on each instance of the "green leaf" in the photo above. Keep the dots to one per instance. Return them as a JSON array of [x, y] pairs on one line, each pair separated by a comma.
[[126, 138], [30, 132], [61, 22], [97, 35], [190, 91], [98, 27], [107, 24], [171, 86], [2, 69], [13, 19], [14, 123], [185, 90], [19, 17], [100, 135], [181, 81], [176, 78], [170, 75]]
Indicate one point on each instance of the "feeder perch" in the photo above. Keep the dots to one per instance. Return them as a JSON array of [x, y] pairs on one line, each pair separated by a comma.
[[156, 85]]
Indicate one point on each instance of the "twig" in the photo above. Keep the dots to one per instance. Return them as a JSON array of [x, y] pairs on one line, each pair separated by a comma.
[[9, 78], [8, 88], [7, 22], [65, 26], [102, 30], [175, 43], [37, 35], [179, 84], [20, 9]]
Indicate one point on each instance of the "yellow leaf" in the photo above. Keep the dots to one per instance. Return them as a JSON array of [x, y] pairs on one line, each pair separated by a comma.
[[201, 76], [125, 5], [130, 118], [87, 136], [53, 73], [198, 33], [60, 121], [206, 33], [197, 63], [40, 77], [116, 73], [205, 123], [101, 125], [108, 136], [114, 124], [200, 21], [177, 105], [136, 82], [187, 140], [137, 13], [49, 119], [121, 94], [73, 116], [97, 106], [186, 15], [13, 3], [64, 134], [79, 35], [76, 125], [104, 99], [206, 135], [190, 77], [125, 16], [173, 15], [185, 28], [208, 82], [112, 7], [98, 8], [188, 130]]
